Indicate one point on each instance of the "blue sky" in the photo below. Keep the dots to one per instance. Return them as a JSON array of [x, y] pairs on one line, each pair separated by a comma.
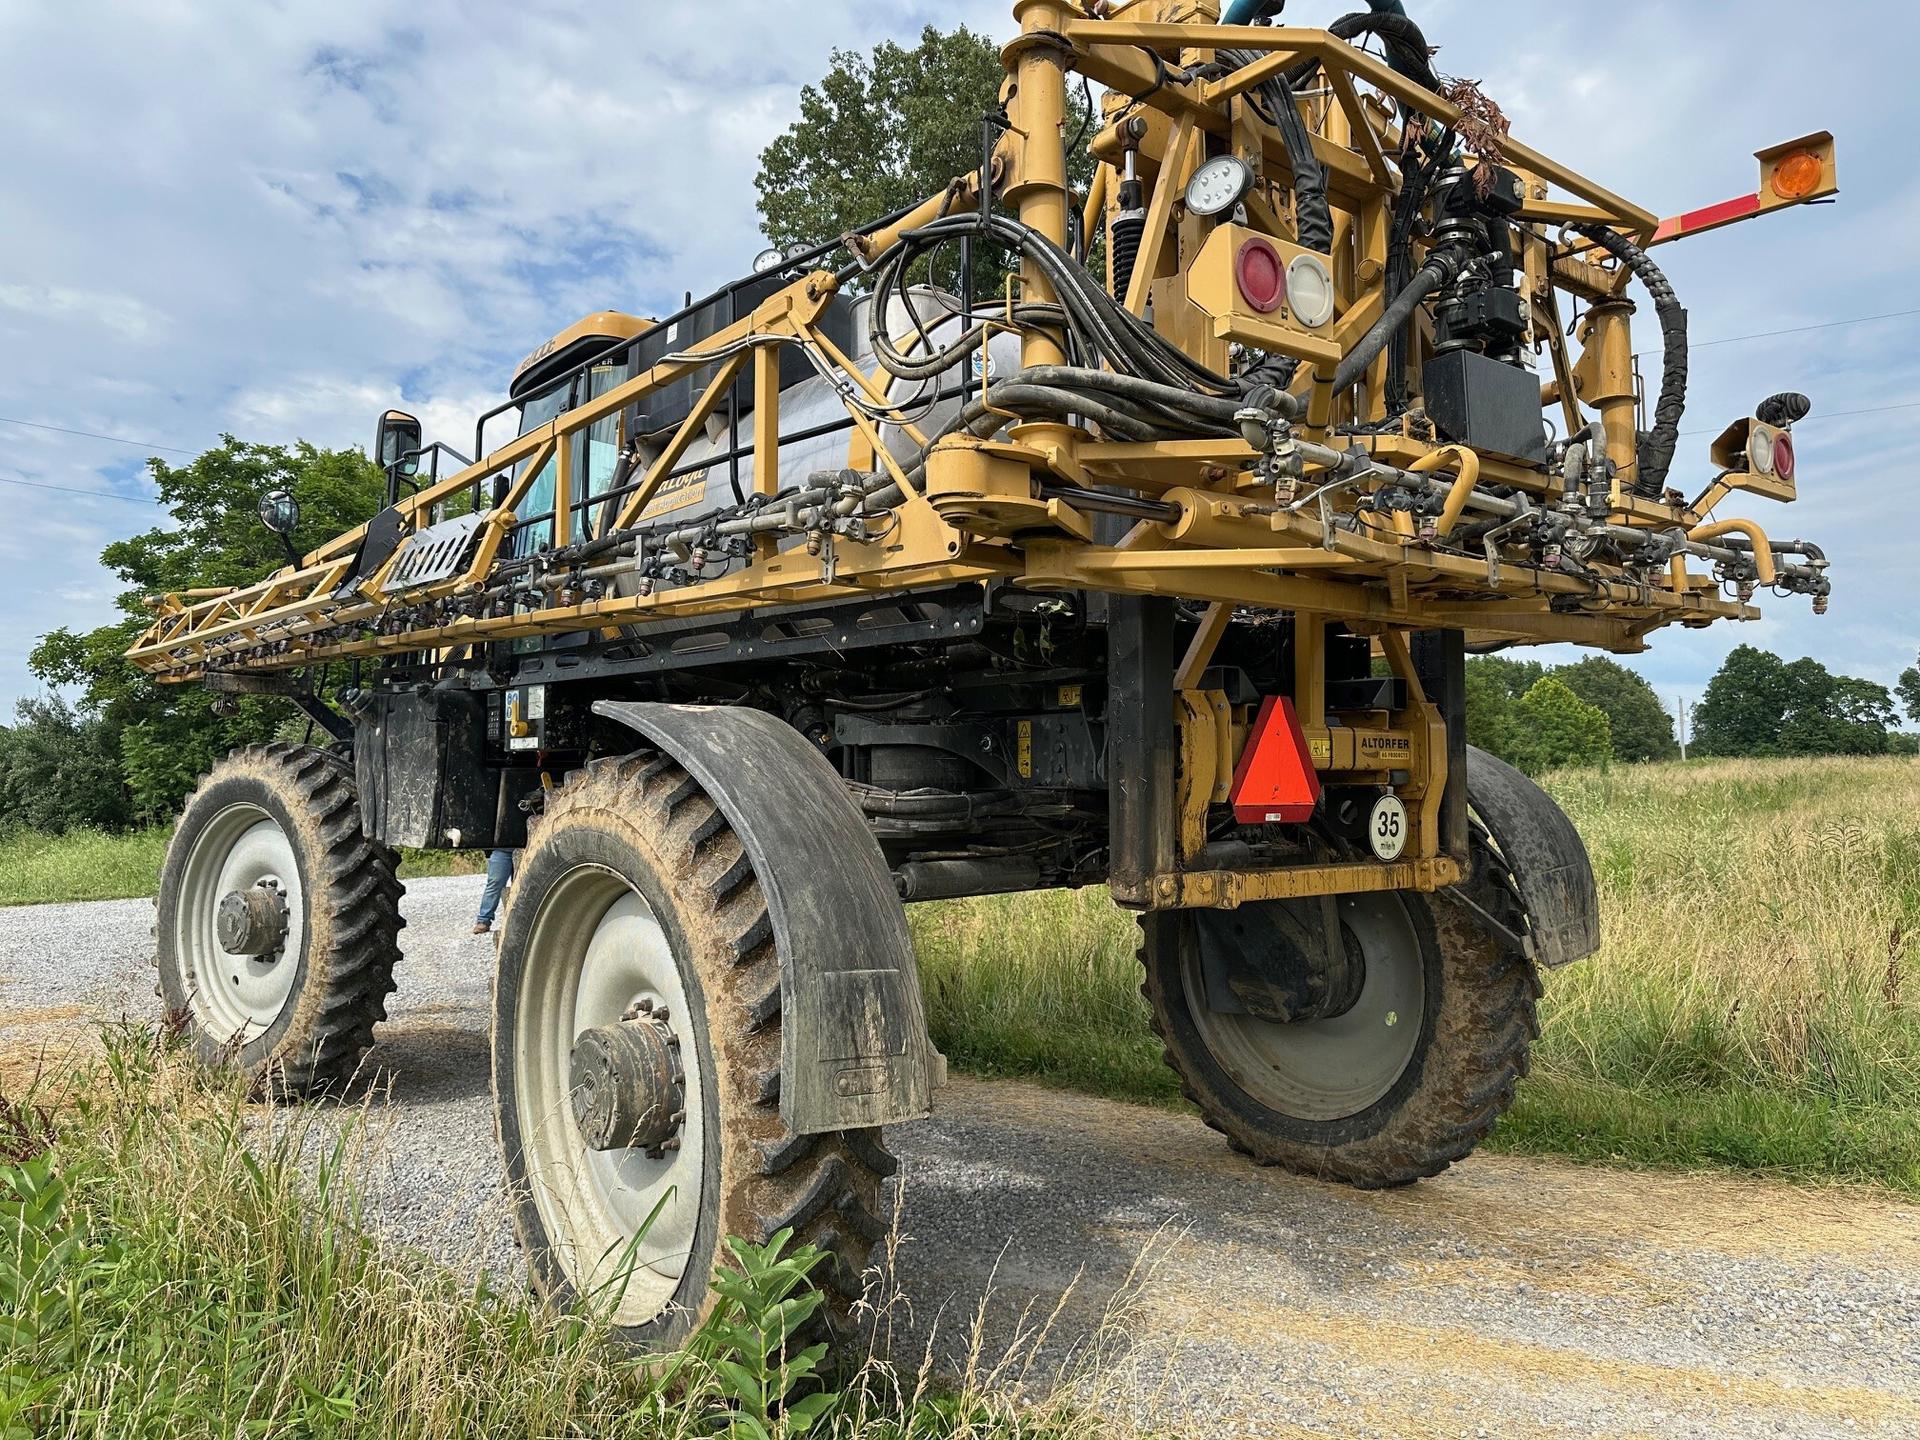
[[278, 219]]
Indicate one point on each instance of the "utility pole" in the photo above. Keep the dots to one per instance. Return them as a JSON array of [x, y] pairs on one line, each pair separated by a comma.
[[1686, 715]]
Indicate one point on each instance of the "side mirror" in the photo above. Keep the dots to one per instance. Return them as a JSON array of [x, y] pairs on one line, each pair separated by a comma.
[[280, 512], [396, 446]]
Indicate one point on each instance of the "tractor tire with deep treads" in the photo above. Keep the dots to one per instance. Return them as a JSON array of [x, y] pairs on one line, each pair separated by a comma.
[[635, 900], [1426, 1095], [282, 820]]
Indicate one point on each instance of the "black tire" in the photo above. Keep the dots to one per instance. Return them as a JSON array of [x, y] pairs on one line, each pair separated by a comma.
[[344, 938], [645, 822], [1476, 1026]]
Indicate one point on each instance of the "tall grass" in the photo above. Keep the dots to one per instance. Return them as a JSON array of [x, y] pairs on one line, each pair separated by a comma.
[[83, 865], [1756, 1003], [173, 1262], [40, 869]]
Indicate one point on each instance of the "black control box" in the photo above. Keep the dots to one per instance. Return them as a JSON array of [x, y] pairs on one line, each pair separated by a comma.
[[1486, 405]]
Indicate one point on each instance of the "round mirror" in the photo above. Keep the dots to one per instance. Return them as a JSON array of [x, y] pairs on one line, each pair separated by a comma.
[[280, 512]]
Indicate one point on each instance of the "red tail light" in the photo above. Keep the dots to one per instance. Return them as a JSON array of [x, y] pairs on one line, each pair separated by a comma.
[[1784, 459], [1262, 276]]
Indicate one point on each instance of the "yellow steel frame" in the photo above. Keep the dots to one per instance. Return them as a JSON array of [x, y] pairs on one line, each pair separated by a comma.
[[978, 516]]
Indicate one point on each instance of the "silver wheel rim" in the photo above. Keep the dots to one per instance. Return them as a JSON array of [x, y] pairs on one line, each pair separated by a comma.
[[1324, 1070], [594, 951], [237, 997]]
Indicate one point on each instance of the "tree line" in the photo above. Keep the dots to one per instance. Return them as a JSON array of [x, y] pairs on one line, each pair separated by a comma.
[[1597, 711]]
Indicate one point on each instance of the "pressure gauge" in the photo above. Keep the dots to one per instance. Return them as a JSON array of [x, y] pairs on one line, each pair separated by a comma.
[[1219, 185]]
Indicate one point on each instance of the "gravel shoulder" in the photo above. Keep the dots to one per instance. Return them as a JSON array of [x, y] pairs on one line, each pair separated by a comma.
[[1511, 1297]]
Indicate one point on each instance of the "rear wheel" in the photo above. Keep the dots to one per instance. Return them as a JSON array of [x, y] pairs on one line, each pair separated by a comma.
[[636, 1061], [1407, 1057], [278, 921]]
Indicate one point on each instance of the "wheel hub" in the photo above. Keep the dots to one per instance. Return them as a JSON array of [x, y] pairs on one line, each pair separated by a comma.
[[1280, 962], [627, 1085], [253, 921]]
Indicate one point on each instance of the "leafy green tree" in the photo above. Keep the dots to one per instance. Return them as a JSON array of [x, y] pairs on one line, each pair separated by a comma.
[[1554, 728], [1759, 704], [1744, 705], [166, 736], [1494, 686], [60, 771], [1642, 728], [886, 130], [1909, 691], [1835, 714]]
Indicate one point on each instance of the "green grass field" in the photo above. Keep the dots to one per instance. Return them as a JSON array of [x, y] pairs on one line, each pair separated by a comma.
[[1756, 1005], [87, 865]]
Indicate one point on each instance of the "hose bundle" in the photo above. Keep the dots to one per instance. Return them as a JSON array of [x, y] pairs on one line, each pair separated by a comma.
[[1313, 214], [1099, 331], [1657, 447]]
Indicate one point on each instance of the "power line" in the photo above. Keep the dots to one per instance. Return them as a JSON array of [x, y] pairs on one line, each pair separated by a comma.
[[95, 435], [75, 490], [1831, 415], [1796, 330]]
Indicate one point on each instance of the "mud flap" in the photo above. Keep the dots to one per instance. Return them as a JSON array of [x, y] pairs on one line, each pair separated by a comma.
[[1546, 856], [853, 1033]]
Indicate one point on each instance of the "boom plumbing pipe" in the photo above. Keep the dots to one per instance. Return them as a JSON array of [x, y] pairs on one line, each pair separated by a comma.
[[1762, 547], [1462, 490]]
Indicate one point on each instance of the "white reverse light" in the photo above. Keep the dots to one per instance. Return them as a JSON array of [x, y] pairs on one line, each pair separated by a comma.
[[1310, 291]]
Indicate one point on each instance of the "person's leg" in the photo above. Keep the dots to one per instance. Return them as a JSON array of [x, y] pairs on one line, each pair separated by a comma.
[[499, 871]]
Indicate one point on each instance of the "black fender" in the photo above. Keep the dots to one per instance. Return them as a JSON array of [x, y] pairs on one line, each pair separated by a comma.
[[1544, 854], [853, 1032]]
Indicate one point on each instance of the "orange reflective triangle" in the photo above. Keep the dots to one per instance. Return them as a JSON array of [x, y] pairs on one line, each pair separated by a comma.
[[1275, 782]]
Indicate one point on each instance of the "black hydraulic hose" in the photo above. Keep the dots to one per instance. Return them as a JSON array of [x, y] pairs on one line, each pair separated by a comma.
[[1415, 180], [1657, 448], [1103, 329], [1070, 377], [1406, 45], [1313, 215], [1441, 269]]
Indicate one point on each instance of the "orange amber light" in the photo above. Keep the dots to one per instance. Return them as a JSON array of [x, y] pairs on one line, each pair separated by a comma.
[[1798, 175]]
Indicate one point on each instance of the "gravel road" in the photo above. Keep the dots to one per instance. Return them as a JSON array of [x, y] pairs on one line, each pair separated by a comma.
[[1509, 1298]]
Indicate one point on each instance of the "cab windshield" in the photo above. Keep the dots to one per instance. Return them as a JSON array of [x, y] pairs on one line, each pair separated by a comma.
[[594, 457]]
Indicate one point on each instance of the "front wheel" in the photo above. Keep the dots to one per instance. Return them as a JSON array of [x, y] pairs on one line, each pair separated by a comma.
[[277, 923], [636, 1062], [1404, 1059]]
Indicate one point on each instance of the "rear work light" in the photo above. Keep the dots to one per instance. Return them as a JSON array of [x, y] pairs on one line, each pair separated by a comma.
[[1262, 275]]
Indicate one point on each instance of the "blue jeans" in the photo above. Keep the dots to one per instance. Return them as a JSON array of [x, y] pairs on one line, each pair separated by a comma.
[[499, 872]]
